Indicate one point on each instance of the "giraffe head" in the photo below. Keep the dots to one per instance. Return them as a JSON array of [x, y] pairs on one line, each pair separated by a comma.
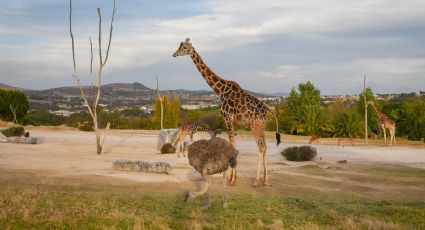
[[184, 49]]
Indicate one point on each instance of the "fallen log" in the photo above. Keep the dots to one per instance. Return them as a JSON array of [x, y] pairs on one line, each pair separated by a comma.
[[142, 166]]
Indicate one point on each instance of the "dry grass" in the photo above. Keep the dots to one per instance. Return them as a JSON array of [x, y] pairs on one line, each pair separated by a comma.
[[35, 202]]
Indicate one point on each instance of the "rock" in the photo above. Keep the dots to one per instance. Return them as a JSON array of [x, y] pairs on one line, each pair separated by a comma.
[[342, 162], [142, 166], [166, 136], [22, 140]]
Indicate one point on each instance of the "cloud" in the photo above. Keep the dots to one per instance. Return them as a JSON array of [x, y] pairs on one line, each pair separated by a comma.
[[288, 41]]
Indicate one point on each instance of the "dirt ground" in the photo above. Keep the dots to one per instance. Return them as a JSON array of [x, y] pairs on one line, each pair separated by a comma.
[[67, 153]]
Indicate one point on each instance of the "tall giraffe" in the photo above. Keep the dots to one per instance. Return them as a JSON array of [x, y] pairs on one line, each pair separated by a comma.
[[237, 106], [385, 122]]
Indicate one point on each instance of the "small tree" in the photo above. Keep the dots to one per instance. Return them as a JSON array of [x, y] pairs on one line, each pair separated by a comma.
[[14, 105], [93, 110], [372, 119]]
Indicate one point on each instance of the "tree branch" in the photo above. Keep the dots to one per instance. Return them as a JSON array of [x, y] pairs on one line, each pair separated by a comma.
[[73, 60], [110, 34], [100, 36]]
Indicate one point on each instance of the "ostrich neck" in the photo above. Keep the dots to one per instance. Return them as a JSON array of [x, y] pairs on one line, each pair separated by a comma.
[[214, 81]]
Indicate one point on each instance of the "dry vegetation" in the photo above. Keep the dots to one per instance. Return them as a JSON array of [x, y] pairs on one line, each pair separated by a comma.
[[347, 197], [61, 183]]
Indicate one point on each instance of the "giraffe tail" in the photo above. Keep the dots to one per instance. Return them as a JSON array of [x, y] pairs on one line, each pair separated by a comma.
[[278, 141]]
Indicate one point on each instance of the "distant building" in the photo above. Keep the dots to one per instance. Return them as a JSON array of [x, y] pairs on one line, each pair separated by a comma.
[[62, 113]]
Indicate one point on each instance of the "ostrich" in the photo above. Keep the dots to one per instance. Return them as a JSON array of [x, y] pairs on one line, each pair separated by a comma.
[[210, 157]]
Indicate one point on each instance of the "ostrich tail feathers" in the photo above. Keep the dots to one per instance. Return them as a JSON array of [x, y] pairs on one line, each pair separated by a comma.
[[278, 138]]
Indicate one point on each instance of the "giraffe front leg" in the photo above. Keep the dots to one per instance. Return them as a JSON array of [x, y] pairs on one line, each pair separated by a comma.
[[231, 133], [385, 135], [180, 143], [392, 137]]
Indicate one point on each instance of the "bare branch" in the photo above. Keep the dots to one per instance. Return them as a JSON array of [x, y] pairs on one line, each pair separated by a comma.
[[72, 37], [73, 60], [110, 34], [160, 101], [100, 35], [91, 59], [91, 71], [106, 133], [14, 114]]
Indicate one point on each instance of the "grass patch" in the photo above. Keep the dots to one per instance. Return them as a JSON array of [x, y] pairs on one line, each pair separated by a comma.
[[34, 205]]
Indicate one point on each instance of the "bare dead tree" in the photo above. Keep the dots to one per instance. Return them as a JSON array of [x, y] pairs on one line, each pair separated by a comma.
[[160, 101], [92, 108], [14, 114], [365, 111]]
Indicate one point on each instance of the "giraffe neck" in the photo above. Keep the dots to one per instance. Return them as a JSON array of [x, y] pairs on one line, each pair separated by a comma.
[[380, 114], [214, 81]]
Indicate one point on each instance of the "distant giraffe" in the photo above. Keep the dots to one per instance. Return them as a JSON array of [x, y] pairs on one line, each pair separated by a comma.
[[190, 128], [314, 139], [385, 122], [341, 140], [237, 106]]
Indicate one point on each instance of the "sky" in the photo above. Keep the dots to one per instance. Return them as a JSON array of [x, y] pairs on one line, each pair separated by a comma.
[[266, 46]]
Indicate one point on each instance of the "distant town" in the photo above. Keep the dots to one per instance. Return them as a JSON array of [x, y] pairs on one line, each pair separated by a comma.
[[65, 101]]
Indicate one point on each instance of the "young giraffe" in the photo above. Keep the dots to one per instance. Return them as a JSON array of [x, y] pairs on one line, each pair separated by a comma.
[[385, 122], [190, 128], [237, 106]]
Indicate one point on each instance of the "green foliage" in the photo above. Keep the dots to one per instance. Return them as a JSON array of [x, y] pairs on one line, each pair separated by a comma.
[[299, 153], [348, 123], [43, 117], [372, 118], [307, 116], [412, 119], [14, 131], [81, 120], [18, 100], [171, 113]]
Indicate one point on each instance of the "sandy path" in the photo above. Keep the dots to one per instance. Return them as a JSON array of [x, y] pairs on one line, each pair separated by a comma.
[[69, 152]]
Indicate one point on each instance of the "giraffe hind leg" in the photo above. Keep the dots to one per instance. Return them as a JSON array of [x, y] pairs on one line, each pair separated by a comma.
[[258, 131]]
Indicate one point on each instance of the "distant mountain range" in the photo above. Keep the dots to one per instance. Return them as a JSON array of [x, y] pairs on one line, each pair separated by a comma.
[[115, 95]]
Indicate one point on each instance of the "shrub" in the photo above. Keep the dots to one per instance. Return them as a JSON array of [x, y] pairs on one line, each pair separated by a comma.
[[301, 153], [15, 131], [19, 102], [43, 117], [167, 148]]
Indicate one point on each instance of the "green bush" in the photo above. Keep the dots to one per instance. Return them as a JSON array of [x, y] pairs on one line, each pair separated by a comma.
[[15, 131], [301, 153], [43, 117], [167, 148], [19, 102]]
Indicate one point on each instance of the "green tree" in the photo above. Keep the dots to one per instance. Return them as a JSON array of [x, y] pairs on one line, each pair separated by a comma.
[[175, 112], [307, 116], [348, 123], [372, 119], [43, 117], [412, 124], [17, 100], [171, 113]]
